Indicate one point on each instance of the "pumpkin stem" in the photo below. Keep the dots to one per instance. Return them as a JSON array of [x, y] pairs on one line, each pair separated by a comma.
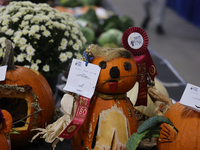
[[9, 56]]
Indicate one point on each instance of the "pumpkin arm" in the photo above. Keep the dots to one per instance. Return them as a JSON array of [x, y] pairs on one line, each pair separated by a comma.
[[149, 128], [7, 124]]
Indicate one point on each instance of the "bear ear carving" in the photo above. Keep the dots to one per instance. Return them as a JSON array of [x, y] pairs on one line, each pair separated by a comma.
[[102, 64]]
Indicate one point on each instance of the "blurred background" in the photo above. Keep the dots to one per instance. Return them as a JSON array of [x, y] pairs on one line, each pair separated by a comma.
[[181, 42]]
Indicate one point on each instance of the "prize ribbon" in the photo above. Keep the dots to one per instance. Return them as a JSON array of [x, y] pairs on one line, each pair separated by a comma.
[[136, 40]]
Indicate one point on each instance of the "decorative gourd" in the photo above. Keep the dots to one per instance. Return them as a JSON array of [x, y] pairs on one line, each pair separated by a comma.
[[110, 120], [187, 122], [4, 129], [25, 93]]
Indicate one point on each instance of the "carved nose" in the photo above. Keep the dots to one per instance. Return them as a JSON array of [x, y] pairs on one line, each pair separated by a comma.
[[114, 72]]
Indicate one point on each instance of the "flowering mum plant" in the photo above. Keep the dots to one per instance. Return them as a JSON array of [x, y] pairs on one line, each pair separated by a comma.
[[44, 39]]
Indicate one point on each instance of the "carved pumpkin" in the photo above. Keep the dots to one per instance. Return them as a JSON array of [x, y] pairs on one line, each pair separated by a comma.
[[4, 129], [110, 120], [187, 122], [25, 92]]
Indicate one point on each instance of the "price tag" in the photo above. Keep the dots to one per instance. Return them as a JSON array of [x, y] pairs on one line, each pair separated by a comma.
[[191, 97], [3, 70], [82, 79]]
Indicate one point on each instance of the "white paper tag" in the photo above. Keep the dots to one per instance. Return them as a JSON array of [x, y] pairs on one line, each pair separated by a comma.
[[82, 79], [3, 70], [191, 97]]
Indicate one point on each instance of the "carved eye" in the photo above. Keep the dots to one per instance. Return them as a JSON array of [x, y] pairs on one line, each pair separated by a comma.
[[102, 65], [127, 66]]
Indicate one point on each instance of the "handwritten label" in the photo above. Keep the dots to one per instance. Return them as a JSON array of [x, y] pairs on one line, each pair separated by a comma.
[[81, 113], [82, 79], [3, 70], [191, 97]]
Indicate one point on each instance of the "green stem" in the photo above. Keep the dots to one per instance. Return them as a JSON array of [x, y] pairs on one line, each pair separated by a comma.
[[9, 56]]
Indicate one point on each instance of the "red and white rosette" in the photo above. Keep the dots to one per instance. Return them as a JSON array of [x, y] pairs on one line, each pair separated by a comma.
[[136, 40]]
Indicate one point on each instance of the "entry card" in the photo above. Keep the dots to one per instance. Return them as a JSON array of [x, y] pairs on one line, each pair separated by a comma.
[[3, 70], [82, 79], [191, 97]]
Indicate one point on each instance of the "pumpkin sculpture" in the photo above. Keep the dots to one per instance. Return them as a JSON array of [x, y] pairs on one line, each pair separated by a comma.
[[26, 94], [187, 122], [5, 126], [110, 120]]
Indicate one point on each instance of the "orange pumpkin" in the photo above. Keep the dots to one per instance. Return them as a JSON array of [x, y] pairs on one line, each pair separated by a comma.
[[5, 128], [7, 124], [4, 142], [187, 123], [24, 92], [110, 120]]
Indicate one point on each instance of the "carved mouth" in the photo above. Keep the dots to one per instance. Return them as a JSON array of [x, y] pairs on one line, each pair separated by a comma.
[[113, 85]]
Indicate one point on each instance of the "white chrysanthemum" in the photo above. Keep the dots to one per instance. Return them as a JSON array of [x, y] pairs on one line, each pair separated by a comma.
[[1, 54], [18, 14], [26, 66], [78, 56], [2, 39], [62, 26], [46, 33], [15, 59], [83, 39], [3, 45], [68, 27], [75, 46], [46, 68], [71, 42], [4, 28], [25, 31], [15, 19], [42, 27], [56, 24], [22, 41], [73, 36], [63, 57], [5, 22], [29, 58], [75, 30], [69, 54], [18, 33], [38, 61], [79, 42], [23, 47], [66, 33], [20, 58], [31, 32], [35, 28], [64, 41], [16, 39], [30, 50], [34, 66], [28, 17], [45, 18], [37, 36]]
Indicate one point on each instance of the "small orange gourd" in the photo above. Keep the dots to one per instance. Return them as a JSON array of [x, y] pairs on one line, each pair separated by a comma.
[[4, 129], [187, 123], [110, 119]]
